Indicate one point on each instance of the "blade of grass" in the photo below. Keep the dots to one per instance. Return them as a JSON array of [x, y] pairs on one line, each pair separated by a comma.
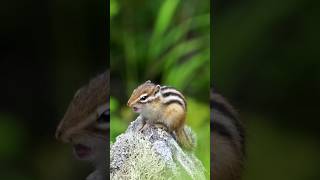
[[182, 74], [114, 8], [177, 33], [164, 18], [130, 65], [183, 49], [174, 55]]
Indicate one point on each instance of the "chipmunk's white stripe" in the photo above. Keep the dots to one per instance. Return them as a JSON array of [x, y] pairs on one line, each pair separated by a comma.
[[163, 87], [145, 94], [145, 100], [150, 98], [171, 90], [174, 99], [171, 95]]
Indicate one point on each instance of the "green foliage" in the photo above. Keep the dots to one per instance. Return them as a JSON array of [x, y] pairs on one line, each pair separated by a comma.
[[114, 8], [164, 18], [175, 52], [197, 118]]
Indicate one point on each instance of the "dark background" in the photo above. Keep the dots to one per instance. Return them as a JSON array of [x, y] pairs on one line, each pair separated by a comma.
[[266, 61], [48, 49]]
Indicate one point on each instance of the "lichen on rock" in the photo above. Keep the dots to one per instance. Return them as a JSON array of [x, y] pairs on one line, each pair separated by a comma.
[[151, 154]]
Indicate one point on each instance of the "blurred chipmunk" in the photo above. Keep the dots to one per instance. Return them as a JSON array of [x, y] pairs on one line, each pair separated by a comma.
[[227, 140], [86, 125]]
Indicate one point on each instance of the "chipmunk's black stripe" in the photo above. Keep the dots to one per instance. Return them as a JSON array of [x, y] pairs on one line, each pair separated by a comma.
[[173, 101], [177, 95], [172, 94], [235, 122], [104, 117], [220, 129], [226, 110], [223, 108], [223, 131]]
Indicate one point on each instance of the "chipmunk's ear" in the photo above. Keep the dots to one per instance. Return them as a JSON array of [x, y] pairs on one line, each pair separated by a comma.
[[157, 89], [147, 82]]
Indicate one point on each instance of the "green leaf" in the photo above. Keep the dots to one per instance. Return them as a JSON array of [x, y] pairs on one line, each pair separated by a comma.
[[176, 34], [181, 75], [183, 49], [114, 104], [164, 18], [114, 8]]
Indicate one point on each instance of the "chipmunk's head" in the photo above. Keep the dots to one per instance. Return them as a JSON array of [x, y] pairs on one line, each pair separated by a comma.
[[143, 95], [86, 122]]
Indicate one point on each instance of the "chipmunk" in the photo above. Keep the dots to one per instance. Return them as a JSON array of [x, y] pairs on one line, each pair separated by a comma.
[[86, 124], [227, 140], [164, 107]]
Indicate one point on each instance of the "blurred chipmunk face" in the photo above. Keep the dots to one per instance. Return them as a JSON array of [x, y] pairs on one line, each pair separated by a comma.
[[89, 142]]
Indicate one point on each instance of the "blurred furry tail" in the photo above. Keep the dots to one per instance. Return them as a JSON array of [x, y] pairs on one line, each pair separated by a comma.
[[185, 138]]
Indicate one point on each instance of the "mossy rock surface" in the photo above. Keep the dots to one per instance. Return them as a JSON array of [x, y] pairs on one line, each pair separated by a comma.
[[151, 154]]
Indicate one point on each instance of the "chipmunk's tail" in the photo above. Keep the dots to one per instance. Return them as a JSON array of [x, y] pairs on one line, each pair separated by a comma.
[[185, 138]]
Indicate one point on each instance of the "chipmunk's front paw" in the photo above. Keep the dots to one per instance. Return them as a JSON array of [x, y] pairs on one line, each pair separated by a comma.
[[161, 126], [144, 127]]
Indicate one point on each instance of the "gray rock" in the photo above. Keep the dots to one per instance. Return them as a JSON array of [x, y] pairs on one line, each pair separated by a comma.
[[151, 154]]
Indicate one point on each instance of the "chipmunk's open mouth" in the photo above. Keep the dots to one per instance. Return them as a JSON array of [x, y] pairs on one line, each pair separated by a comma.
[[136, 109], [82, 151]]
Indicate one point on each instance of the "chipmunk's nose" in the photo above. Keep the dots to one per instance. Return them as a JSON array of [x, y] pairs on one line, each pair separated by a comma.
[[60, 135]]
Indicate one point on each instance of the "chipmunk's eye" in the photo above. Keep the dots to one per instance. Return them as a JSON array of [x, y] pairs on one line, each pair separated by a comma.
[[143, 98], [104, 117]]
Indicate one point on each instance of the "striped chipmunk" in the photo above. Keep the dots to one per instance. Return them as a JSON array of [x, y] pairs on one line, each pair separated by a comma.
[[163, 107], [227, 142], [85, 124]]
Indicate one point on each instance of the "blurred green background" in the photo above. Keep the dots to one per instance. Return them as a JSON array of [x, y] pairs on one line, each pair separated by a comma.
[[49, 49], [267, 63], [167, 42]]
